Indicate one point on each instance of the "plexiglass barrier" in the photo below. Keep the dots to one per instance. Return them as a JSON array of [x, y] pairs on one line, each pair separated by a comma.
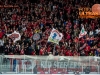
[[49, 64]]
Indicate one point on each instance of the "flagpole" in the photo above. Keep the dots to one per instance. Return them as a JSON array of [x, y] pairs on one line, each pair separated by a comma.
[[54, 49]]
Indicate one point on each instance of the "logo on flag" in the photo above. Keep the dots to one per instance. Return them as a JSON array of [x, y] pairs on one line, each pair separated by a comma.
[[55, 36], [15, 36], [82, 33]]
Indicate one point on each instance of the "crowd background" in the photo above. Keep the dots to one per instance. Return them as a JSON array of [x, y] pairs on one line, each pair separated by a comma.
[[41, 16]]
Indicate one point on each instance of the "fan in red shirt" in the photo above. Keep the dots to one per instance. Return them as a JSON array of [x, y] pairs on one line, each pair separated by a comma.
[[1, 34], [30, 34], [22, 51], [82, 41], [68, 36], [87, 49], [75, 53], [49, 49], [33, 53], [41, 51], [68, 53]]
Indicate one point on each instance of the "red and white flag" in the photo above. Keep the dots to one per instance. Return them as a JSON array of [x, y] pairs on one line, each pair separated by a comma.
[[82, 33], [15, 36]]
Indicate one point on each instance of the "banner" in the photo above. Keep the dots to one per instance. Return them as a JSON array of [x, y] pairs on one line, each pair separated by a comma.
[[55, 36], [15, 36], [30, 64], [82, 33]]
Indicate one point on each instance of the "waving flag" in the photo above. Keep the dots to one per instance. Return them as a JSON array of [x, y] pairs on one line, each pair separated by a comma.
[[55, 36], [15, 36], [82, 33]]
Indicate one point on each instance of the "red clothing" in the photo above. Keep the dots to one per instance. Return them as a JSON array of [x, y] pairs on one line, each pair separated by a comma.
[[1, 35], [28, 29], [63, 47], [30, 34], [33, 53], [22, 52], [68, 53], [68, 36], [87, 48], [82, 40], [49, 49], [76, 40], [14, 17], [41, 52]]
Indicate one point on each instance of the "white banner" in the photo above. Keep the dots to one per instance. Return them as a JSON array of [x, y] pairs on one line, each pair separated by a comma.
[[15, 36], [55, 36], [53, 64]]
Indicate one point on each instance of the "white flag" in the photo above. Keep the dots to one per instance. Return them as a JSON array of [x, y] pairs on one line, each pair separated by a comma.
[[82, 33], [15, 36], [55, 36]]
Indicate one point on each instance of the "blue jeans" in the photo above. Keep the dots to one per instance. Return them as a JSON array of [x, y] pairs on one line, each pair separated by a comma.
[[14, 67]]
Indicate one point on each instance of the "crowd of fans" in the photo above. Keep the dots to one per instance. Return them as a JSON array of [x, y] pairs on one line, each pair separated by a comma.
[[40, 17]]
